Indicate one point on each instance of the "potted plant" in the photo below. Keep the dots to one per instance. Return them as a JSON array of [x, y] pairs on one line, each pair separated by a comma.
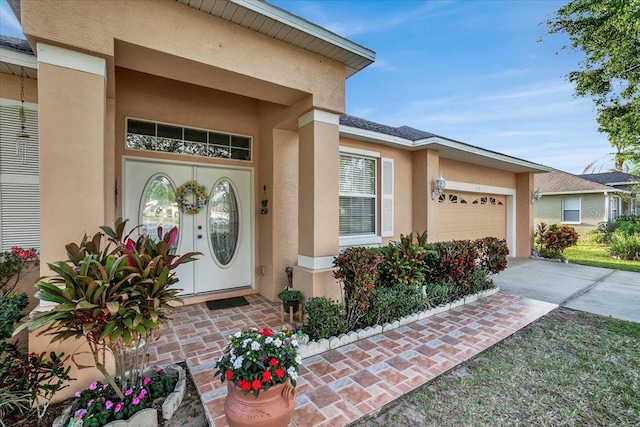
[[116, 296], [261, 370], [290, 298]]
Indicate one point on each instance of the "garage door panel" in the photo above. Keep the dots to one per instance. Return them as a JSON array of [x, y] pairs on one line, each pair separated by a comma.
[[471, 216]]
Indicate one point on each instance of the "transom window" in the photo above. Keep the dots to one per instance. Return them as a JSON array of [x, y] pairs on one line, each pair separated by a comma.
[[150, 136], [571, 209], [357, 195]]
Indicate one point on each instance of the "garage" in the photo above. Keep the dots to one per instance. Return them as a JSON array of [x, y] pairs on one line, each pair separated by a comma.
[[471, 216]]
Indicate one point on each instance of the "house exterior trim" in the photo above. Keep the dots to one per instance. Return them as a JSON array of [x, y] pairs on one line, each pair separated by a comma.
[[18, 58], [61, 57], [315, 263], [318, 116]]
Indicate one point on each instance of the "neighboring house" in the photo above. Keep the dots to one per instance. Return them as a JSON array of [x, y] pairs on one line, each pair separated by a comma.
[[137, 98], [627, 203], [570, 199]]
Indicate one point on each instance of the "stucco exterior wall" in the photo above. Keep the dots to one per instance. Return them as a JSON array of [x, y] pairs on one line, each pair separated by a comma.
[[10, 88], [549, 210], [172, 28], [464, 172]]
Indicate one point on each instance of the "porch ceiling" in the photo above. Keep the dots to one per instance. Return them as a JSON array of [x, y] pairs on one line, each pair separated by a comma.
[[274, 22], [161, 64]]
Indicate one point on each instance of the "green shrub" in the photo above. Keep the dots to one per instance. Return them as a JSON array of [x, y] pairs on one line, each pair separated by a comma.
[[625, 246], [453, 263], [325, 318], [597, 236], [492, 254], [479, 281], [552, 240], [438, 293], [11, 312], [393, 302], [357, 269], [403, 262]]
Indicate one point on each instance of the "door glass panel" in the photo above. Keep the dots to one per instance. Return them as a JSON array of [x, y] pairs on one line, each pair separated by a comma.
[[223, 222], [159, 208]]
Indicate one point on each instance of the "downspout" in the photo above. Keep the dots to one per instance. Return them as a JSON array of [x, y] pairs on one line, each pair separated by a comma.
[[606, 207]]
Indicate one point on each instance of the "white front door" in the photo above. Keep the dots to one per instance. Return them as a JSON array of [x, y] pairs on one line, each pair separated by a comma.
[[222, 230]]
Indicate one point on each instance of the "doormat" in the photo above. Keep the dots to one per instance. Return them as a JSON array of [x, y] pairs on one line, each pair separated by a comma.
[[227, 303]]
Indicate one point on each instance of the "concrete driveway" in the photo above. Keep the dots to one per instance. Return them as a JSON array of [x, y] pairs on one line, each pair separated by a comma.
[[596, 290]]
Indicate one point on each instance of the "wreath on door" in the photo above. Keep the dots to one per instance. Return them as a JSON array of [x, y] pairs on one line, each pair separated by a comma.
[[192, 197]]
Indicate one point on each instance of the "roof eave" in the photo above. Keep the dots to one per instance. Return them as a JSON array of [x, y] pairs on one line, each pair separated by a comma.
[[449, 149], [354, 56], [559, 193]]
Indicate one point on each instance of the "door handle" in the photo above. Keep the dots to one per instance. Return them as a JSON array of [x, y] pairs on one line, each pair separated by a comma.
[[199, 236]]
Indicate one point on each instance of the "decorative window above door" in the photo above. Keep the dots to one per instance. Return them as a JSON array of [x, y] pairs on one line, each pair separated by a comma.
[[151, 136]]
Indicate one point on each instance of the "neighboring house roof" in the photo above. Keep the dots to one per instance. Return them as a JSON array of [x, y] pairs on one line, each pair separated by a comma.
[[14, 54], [558, 182], [413, 139], [612, 178]]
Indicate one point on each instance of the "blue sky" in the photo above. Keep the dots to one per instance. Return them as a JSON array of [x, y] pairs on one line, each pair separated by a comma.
[[477, 71]]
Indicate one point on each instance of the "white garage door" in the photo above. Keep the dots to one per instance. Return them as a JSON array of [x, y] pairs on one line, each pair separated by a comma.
[[471, 216]]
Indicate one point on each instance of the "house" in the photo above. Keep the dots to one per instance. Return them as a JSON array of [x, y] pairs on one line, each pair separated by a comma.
[[628, 203], [135, 99], [565, 198]]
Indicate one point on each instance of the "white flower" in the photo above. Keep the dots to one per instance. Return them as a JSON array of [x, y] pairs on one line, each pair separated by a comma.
[[255, 346], [237, 334], [298, 359], [294, 343], [246, 342], [277, 342], [292, 373], [238, 362], [268, 340]]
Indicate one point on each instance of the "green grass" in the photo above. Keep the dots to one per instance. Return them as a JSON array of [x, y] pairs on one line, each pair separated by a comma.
[[568, 369], [597, 255]]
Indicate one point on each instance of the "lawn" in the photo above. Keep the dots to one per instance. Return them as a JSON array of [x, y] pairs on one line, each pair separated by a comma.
[[597, 255], [567, 369]]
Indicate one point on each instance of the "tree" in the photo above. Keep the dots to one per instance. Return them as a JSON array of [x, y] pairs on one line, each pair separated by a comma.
[[608, 33]]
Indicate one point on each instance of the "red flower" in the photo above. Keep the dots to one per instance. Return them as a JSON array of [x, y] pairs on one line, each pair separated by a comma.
[[280, 373], [266, 376], [229, 375], [245, 385], [266, 332], [273, 362], [256, 384]]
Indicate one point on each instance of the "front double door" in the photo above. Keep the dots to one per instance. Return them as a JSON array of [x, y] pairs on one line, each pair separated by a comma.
[[222, 229]]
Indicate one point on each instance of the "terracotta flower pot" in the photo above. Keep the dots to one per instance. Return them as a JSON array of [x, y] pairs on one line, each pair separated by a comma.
[[272, 408]]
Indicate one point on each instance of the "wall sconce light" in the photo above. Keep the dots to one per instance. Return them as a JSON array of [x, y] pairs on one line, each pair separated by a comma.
[[537, 195], [264, 202], [440, 186]]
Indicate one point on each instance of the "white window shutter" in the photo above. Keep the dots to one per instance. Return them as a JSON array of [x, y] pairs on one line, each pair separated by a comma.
[[19, 188], [386, 217]]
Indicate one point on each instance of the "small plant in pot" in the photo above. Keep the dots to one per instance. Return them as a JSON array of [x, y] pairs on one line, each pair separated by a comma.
[[291, 298]]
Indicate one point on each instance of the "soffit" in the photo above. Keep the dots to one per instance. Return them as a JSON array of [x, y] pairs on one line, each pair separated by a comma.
[[274, 22]]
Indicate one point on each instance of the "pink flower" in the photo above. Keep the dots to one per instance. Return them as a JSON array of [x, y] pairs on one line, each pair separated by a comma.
[[81, 413], [146, 381], [118, 407], [128, 392], [108, 404], [142, 394], [135, 401], [93, 386], [90, 402], [76, 394]]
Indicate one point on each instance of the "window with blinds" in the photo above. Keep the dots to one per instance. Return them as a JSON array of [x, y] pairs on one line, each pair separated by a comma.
[[571, 210], [19, 186], [357, 195]]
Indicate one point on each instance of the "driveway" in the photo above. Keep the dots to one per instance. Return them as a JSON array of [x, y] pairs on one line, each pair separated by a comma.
[[596, 290]]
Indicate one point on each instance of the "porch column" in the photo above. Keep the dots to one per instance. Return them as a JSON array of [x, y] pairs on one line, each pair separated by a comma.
[[426, 169], [72, 107], [318, 189], [524, 215]]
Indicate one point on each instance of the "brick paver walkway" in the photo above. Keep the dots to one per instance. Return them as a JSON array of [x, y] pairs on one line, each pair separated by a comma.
[[341, 385]]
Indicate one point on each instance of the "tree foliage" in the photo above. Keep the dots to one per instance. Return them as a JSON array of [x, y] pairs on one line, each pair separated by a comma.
[[608, 33]]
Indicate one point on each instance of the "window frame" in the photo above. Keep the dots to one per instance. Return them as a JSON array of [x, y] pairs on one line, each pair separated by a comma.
[[563, 210], [369, 239]]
